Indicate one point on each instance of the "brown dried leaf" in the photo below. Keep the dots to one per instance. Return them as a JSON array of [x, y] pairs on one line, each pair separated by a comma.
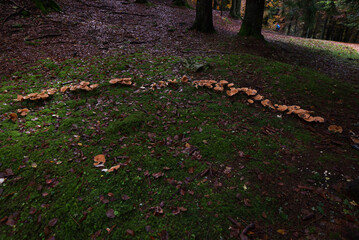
[[52, 222], [335, 129], [114, 168], [110, 213], [99, 160]]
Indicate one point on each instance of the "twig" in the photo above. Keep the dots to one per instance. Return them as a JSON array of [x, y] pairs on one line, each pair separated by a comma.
[[75, 221], [243, 235]]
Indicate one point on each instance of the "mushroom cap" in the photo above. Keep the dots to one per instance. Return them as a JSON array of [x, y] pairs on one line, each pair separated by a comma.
[[223, 82], [184, 79], [267, 103], [218, 88], [232, 91], [281, 108], [258, 97], [64, 89], [51, 91]]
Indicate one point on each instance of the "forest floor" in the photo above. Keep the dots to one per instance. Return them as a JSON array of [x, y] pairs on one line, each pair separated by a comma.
[[192, 163]]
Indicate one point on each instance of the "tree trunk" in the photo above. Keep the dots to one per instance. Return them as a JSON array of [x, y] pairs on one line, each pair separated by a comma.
[[296, 26], [330, 29], [289, 25], [354, 36], [324, 28], [204, 20], [235, 11], [253, 18]]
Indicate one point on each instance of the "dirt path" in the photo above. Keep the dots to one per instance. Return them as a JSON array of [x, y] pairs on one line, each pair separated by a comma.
[[90, 28]]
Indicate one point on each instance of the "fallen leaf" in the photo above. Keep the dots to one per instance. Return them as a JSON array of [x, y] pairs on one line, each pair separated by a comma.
[[110, 213], [282, 231], [125, 197], [11, 221], [130, 232], [52, 222], [99, 160], [335, 129], [114, 168], [247, 202], [157, 175]]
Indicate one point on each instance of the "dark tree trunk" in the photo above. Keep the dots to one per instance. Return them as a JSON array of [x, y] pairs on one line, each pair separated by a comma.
[[296, 26], [253, 18], [324, 28], [354, 36], [289, 25], [235, 11], [330, 29], [204, 20]]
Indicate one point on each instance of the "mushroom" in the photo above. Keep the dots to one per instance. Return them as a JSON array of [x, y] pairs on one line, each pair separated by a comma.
[[51, 91], [258, 97], [64, 89], [19, 98], [232, 91], [218, 88], [223, 82], [267, 103], [184, 79], [23, 112]]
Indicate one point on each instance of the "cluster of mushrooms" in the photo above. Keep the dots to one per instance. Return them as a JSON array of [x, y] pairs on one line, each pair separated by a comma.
[[218, 86]]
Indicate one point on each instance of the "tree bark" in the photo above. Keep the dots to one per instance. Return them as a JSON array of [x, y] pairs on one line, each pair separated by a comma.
[[204, 19], [253, 18], [324, 28], [235, 11]]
